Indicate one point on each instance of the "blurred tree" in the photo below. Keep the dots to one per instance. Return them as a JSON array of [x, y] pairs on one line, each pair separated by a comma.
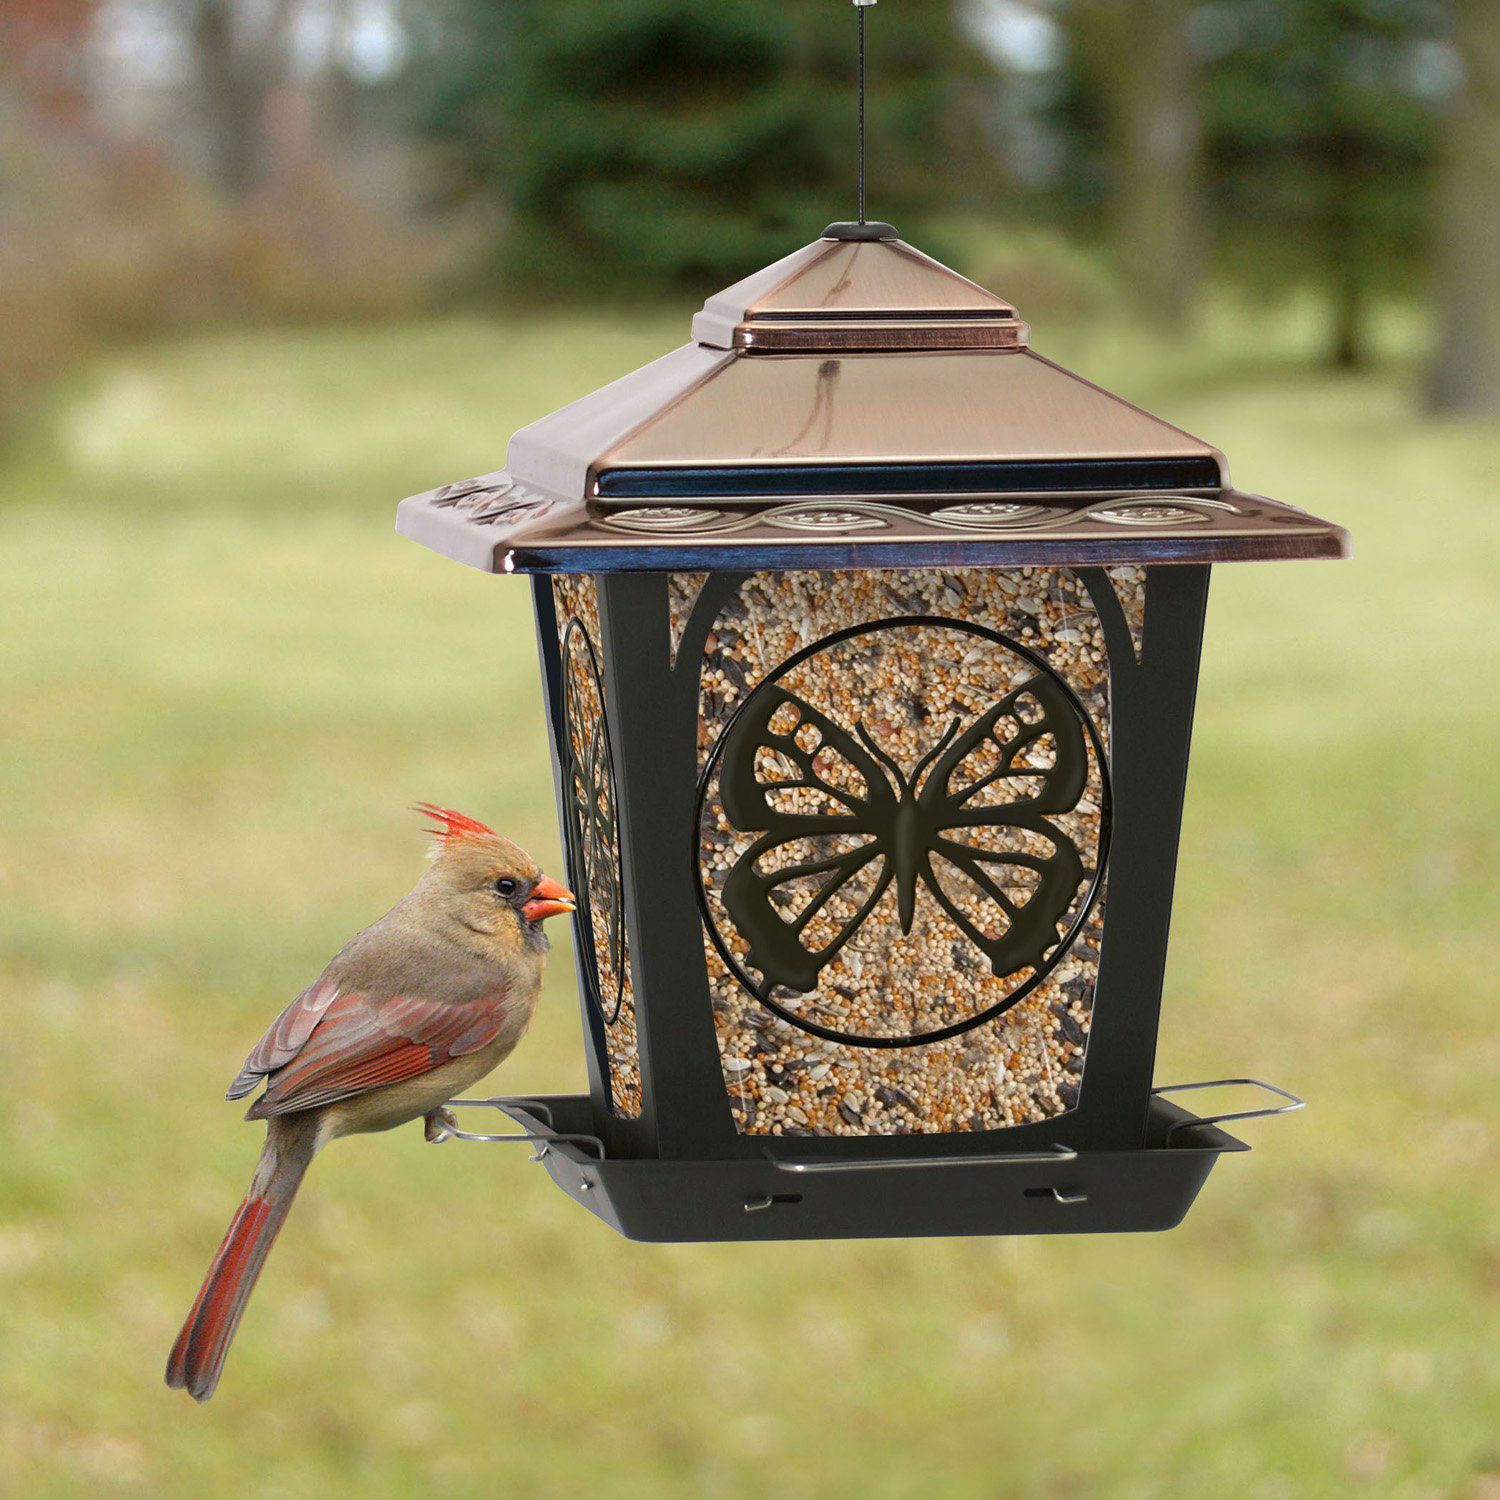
[[41, 42], [1466, 231], [1321, 136], [1295, 138], [1136, 59], [241, 54], [685, 142]]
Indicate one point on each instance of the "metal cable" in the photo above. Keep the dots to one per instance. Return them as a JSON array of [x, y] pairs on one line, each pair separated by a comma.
[[860, 9]]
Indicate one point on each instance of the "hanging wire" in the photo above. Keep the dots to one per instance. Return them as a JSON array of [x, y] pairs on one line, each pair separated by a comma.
[[860, 9]]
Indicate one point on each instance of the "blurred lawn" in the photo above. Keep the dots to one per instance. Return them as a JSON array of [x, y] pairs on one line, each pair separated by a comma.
[[225, 679]]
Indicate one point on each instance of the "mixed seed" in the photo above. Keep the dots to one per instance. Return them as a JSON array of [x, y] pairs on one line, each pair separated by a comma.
[[906, 686], [576, 598]]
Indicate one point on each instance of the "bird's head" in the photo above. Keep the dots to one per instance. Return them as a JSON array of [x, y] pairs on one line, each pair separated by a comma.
[[488, 887]]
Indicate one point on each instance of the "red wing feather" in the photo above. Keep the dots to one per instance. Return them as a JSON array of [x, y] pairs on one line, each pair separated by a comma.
[[286, 1037], [358, 1044]]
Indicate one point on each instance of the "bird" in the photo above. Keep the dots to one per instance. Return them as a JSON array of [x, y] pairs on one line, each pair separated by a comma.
[[415, 1009]]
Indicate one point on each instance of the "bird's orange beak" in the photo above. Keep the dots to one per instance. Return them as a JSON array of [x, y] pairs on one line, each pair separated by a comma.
[[548, 899]]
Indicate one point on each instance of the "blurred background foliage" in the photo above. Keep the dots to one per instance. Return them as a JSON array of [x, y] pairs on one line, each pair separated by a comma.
[[663, 142], [265, 266], [168, 163]]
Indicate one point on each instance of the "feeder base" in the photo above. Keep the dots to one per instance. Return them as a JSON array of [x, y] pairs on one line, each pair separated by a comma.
[[787, 1198]]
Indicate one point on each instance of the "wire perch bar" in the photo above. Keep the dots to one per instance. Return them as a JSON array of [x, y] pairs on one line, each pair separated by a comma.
[[1053, 1154], [541, 1140], [1239, 1114], [550, 1136]]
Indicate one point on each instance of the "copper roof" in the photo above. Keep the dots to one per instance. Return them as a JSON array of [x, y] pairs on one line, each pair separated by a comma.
[[855, 405]]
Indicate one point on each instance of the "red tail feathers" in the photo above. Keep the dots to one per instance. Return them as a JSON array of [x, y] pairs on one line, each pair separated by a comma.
[[197, 1358]]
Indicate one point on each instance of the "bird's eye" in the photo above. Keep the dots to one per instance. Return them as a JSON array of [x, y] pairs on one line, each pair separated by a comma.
[[507, 886]]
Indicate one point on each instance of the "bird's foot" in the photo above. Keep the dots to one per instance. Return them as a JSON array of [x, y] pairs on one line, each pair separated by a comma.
[[437, 1123]]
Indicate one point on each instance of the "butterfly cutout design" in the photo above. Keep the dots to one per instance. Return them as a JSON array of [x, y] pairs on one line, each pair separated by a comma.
[[970, 822]]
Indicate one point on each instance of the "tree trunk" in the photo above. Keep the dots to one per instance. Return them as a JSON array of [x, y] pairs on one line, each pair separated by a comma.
[[1346, 274], [239, 64], [1140, 54], [232, 123], [1465, 377], [337, 85], [1348, 347]]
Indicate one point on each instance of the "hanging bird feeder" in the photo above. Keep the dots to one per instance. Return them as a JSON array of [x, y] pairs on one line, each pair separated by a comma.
[[870, 639]]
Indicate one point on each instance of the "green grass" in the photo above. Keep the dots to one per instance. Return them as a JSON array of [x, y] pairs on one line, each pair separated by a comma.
[[225, 679]]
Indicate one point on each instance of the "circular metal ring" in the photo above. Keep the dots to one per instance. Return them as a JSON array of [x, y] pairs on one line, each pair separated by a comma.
[[761, 992]]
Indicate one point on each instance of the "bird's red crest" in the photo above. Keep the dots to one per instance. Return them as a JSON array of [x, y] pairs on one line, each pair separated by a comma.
[[456, 825]]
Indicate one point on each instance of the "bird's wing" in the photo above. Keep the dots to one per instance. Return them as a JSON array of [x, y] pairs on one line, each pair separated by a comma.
[[286, 1037], [362, 1043], [358, 1042]]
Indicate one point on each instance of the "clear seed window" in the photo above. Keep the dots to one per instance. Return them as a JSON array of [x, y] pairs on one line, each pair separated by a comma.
[[867, 978], [592, 832]]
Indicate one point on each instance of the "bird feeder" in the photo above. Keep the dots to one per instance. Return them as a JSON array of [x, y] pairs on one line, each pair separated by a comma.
[[870, 639]]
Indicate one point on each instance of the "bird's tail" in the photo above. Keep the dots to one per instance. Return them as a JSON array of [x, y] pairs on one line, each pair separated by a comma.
[[197, 1357]]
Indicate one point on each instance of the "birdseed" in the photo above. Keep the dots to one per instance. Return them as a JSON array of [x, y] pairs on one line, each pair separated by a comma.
[[905, 685], [590, 793]]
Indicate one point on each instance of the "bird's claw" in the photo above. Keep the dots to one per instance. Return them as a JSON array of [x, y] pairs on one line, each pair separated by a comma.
[[436, 1125]]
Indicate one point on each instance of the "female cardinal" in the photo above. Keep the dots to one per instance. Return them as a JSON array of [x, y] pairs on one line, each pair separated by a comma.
[[413, 1011]]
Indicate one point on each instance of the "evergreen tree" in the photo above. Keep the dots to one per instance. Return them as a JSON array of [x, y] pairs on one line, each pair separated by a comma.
[[1132, 94], [675, 141], [1317, 127], [1322, 132]]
